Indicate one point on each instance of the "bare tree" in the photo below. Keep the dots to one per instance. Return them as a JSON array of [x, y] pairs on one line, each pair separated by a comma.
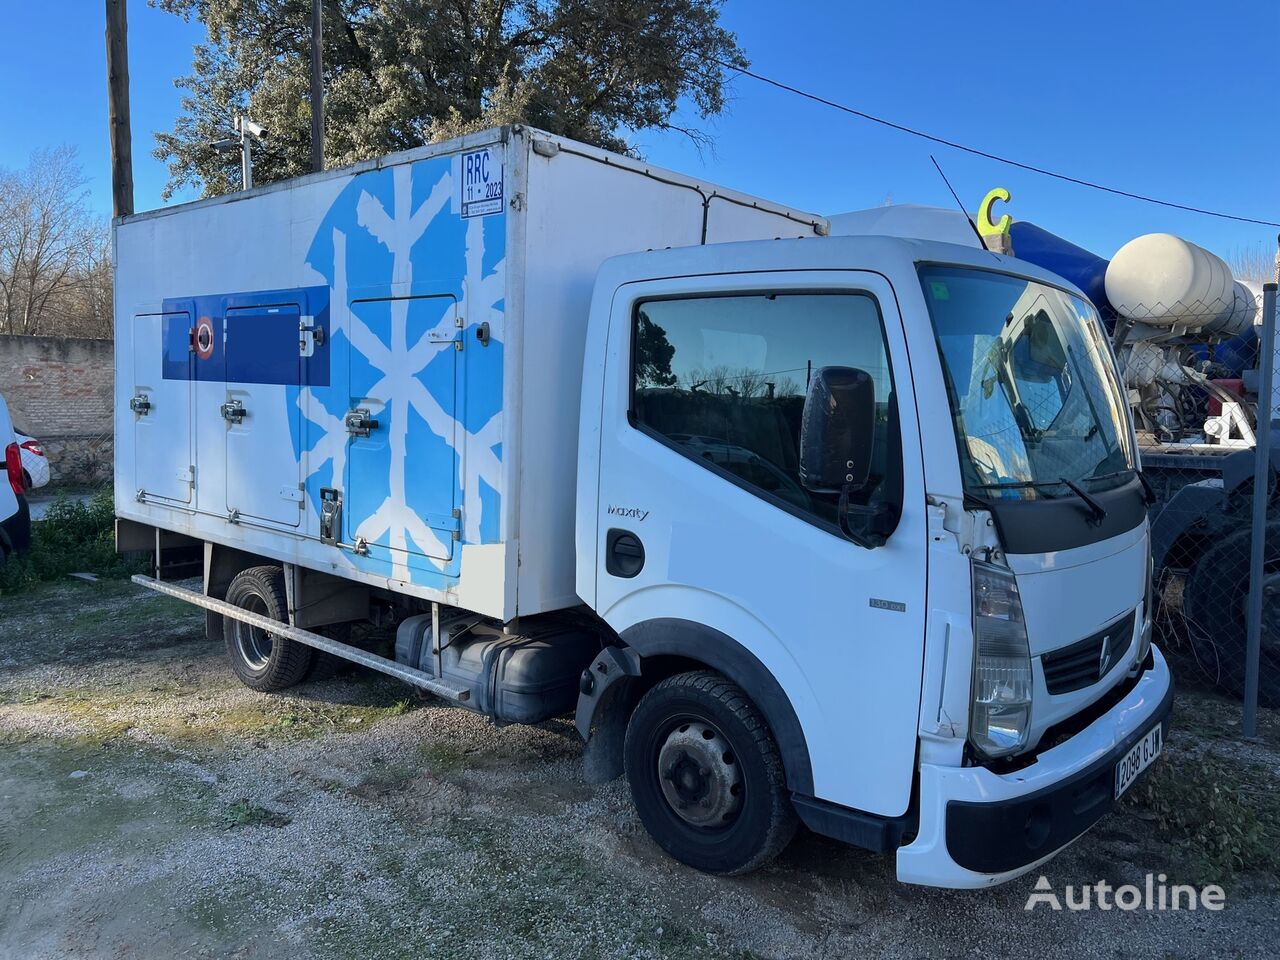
[[1256, 263], [51, 245]]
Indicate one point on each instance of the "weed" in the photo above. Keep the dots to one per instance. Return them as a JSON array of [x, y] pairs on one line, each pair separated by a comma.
[[1221, 814], [73, 537], [444, 757], [242, 813]]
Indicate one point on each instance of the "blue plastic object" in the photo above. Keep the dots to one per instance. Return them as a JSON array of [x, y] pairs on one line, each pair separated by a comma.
[[1085, 269], [1236, 354]]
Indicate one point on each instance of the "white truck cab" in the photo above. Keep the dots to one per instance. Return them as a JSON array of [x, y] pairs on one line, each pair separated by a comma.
[[846, 531], [890, 487]]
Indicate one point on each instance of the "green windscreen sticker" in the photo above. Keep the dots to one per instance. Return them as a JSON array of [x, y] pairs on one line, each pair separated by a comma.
[[939, 289]]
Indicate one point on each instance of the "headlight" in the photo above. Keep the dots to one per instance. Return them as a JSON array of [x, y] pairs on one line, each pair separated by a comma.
[[1002, 684]]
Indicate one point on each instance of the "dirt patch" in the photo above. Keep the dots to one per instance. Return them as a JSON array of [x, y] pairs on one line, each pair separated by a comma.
[[156, 808]]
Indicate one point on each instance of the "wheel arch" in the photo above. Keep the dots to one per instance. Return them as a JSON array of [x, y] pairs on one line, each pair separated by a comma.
[[658, 648], [1178, 525], [221, 565]]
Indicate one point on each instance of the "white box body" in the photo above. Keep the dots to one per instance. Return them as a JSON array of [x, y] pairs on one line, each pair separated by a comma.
[[442, 293]]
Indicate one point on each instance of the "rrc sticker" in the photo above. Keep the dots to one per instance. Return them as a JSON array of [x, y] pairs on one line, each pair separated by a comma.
[[481, 178]]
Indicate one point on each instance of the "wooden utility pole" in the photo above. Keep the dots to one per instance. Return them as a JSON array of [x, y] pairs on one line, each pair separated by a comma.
[[317, 88], [118, 98]]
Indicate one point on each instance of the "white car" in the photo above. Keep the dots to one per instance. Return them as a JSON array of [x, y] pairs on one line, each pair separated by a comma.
[[35, 465], [15, 519]]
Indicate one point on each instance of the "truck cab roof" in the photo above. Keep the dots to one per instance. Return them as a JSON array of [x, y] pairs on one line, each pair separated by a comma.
[[888, 255]]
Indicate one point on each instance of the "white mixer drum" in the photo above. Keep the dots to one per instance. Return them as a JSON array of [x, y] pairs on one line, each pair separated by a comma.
[[1163, 280]]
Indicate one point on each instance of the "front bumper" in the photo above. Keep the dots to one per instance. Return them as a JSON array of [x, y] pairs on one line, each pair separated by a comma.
[[978, 828]]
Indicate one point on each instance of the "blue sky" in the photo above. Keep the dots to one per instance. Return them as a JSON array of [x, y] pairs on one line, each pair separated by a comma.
[[1162, 97]]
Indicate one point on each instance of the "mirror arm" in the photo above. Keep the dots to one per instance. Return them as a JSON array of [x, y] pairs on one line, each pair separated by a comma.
[[868, 541]]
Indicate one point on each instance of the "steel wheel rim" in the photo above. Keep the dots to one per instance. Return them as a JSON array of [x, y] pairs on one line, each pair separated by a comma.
[[699, 774], [255, 644]]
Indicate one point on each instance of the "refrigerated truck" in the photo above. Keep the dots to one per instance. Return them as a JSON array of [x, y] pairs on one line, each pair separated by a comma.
[[845, 531]]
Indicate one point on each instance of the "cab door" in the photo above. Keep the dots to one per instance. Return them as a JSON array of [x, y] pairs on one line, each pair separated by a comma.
[[703, 515]]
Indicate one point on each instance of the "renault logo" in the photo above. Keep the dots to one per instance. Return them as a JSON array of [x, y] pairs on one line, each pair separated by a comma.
[[1104, 661]]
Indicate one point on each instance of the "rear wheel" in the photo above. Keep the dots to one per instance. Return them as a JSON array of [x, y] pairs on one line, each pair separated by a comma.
[[262, 660], [325, 666], [706, 775], [1216, 602]]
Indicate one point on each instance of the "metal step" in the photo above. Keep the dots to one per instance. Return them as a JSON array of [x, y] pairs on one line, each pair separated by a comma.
[[419, 678]]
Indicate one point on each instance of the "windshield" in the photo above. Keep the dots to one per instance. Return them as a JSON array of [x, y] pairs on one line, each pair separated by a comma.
[[1034, 395]]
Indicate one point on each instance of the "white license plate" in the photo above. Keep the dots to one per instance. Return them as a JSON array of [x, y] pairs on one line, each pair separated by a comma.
[[1138, 759]]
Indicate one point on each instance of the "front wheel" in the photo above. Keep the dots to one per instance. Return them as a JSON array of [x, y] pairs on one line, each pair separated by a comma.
[[706, 775]]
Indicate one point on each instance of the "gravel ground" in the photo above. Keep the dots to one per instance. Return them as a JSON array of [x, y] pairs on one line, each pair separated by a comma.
[[150, 806]]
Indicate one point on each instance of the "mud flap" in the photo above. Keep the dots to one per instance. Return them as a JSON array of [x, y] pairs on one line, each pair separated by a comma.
[[607, 696]]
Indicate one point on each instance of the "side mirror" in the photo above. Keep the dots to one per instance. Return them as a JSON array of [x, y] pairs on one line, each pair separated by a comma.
[[1038, 353], [837, 430]]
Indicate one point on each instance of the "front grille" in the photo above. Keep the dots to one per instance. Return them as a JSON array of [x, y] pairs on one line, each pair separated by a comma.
[[1081, 664]]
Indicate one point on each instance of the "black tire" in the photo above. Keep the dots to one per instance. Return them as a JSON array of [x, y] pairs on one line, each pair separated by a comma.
[[325, 666], [1216, 602], [263, 661], [695, 733]]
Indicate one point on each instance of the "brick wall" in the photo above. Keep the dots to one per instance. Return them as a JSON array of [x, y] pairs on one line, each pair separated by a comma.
[[59, 390]]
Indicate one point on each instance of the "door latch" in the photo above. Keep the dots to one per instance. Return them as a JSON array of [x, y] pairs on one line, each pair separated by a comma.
[[330, 515], [359, 423], [141, 404], [233, 411]]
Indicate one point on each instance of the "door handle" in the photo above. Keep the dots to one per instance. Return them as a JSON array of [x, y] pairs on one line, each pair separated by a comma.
[[359, 423], [233, 411], [624, 554]]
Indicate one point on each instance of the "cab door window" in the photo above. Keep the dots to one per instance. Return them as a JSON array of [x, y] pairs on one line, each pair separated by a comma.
[[723, 380]]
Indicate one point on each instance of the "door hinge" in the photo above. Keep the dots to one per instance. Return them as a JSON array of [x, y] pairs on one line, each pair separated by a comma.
[[457, 523], [140, 404], [310, 336]]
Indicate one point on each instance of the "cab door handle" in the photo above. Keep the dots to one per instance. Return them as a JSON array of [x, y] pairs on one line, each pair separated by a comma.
[[624, 554]]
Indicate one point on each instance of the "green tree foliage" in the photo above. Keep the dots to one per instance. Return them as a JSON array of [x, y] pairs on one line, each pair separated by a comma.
[[653, 354], [401, 73]]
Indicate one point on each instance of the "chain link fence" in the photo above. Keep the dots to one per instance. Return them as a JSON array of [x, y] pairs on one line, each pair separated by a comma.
[[1199, 378], [80, 464]]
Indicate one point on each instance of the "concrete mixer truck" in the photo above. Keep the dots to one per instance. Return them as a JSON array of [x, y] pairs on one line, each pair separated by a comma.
[[1186, 335]]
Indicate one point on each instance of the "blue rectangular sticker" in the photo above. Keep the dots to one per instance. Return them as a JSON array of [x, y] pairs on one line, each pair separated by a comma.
[[253, 337]]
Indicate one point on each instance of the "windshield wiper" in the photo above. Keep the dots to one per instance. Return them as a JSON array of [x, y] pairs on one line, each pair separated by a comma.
[[1097, 513], [1096, 510]]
